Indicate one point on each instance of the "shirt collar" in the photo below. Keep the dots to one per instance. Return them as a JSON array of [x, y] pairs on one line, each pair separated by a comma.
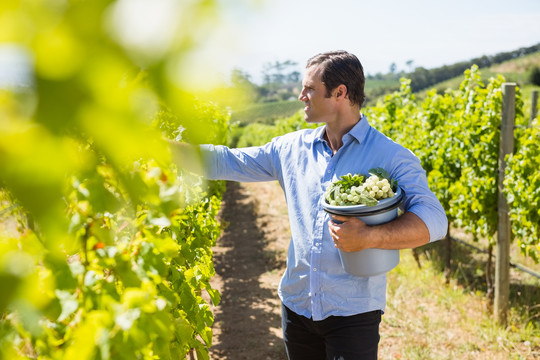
[[358, 132], [319, 133]]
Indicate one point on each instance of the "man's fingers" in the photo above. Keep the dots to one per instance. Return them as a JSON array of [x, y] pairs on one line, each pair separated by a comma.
[[341, 218]]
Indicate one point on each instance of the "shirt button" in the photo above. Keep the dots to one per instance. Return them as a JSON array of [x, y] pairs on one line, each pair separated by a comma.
[[328, 171], [314, 269]]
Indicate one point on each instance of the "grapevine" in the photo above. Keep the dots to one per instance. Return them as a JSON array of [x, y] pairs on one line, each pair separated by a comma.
[[522, 189], [112, 259]]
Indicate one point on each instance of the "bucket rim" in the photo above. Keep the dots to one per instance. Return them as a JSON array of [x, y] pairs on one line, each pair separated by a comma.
[[348, 211]]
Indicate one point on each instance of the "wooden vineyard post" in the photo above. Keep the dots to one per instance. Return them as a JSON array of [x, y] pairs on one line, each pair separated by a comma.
[[504, 231]]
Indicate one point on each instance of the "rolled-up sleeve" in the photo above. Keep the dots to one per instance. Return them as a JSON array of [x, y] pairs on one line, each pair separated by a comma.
[[419, 199], [433, 215]]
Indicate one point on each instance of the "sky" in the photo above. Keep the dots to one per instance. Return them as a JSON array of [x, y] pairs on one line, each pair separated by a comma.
[[248, 34], [431, 33]]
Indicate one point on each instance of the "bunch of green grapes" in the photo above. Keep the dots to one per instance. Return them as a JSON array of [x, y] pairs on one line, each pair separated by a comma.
[[378, 188], [354, 190]]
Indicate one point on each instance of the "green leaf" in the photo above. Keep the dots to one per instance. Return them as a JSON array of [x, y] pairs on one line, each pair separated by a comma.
[[183, 330], [126, 318], [68, 302], [215, 296], [380, 172], [367, 199]]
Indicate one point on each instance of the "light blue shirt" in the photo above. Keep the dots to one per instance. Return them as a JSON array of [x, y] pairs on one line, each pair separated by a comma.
[[315, 283]]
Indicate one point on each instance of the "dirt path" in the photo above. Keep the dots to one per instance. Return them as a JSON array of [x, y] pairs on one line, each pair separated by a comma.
[[249, 260]]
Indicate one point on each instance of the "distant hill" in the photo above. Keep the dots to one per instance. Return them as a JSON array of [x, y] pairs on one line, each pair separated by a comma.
[[422, 78], [514, 65], [516, 70], [266, 112]]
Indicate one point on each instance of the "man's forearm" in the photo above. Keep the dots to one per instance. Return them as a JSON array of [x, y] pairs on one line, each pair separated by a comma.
[[406, 232]]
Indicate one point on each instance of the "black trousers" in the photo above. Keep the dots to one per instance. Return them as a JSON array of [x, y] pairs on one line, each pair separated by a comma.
[[334, 338]]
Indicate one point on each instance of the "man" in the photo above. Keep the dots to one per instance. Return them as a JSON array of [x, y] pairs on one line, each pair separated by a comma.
[[326, 312]]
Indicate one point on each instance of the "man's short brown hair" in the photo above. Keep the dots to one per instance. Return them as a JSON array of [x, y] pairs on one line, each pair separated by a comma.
[[341, 67]]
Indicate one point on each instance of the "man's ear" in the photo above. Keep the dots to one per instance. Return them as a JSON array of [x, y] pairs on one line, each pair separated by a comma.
[[341, 91]]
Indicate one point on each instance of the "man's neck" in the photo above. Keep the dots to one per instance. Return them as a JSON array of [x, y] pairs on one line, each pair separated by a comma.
[[335, 131]]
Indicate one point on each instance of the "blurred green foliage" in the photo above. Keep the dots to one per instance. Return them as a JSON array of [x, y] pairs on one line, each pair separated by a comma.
[[112, 244], [255, 134]]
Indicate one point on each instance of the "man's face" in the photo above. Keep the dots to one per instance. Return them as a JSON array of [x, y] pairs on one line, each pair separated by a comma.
[[319, 108]]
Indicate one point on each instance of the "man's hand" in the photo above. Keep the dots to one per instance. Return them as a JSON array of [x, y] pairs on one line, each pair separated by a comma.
[[351, 235], [405, 232], [186, 156]]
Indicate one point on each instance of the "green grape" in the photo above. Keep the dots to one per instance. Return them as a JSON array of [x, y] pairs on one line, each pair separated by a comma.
[[359, 189]]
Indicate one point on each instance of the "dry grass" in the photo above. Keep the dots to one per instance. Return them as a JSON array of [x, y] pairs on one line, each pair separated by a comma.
[[520, 65], [428, 319]]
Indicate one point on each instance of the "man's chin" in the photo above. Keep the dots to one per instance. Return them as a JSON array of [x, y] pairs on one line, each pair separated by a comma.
[[311, 120]]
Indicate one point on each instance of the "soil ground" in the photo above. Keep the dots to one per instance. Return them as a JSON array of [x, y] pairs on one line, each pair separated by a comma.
[[249, 259]]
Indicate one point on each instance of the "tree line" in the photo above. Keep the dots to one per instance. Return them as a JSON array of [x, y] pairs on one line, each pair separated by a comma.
[[422, 78], [281, 81]]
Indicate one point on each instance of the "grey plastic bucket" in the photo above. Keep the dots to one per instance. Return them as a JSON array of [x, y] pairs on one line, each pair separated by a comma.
[[370, 262]]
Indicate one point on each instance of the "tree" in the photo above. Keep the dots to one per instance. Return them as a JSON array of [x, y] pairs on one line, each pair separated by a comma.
[[534, 78], [293, 77], [281, 80], [410, 65], [281, 72]]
